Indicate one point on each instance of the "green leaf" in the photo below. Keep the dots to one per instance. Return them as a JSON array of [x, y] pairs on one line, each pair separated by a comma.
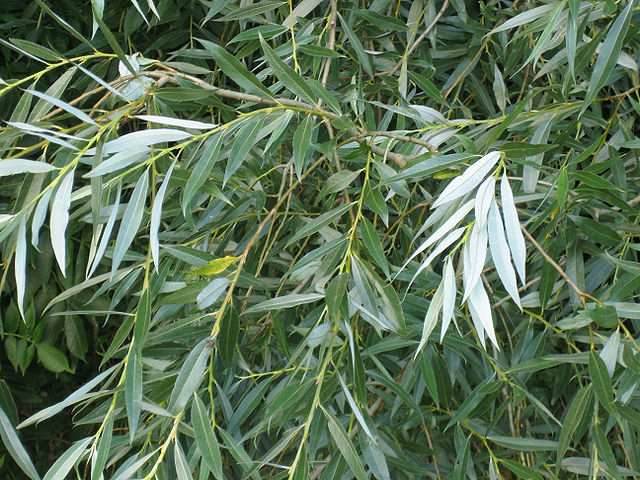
[[520, 470], [60, 218], [286, 301], [373, 245], [361, 55], [322, 221], [156, 215], [103, 449], [228, 336], [301, 143], [20, 265], [206, 438], [14, 166], [515, 149], [36, 50], [345, 446], [596, 230], [246, 139], [525, 444], [78, 395], [337, 182], [215, 267], [15, 448], [601, 380], [287, 75], [133, 392], [52, 359], [318, 51], [63, 465], [190, 375], [605, 452], [234, 69], [606, 316], [79, 114], [335, 295], [575, 414], [608, 55], [250, 11], [130, 220]]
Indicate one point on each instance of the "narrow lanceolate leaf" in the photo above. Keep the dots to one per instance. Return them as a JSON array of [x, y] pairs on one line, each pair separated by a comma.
[[130, 220], [442, 246], [251, 10], [156, 216], [474, 256], [316, 224], [99, 460], [64, 106], [212, 292], [345, 446], [431, 318], [120, 160], [469, 180], [601, 380], [15, 166], [484, 197], [214, 267], [206, 438], [60, 217], [445, 228], [512, 226], [20, 264], [177, 122], [337, 182], [301, 143], [499, 89], [133, 392], [246, 139], [75, 397], [608, 55], [480, 309], [500, 253], [448, 296], [199, 175], [235, 70], [14, 446], [576, 412], [523, 18], [228, 336], [373, 245], [363, 58], [183, 471], [141, 138], [286, 301], [287, 75], [106, 234], [67, 460], [356, 410], [39, 215], [190, 375]]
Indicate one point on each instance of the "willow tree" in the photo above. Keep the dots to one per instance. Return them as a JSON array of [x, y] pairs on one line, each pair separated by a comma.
[[323, 239]]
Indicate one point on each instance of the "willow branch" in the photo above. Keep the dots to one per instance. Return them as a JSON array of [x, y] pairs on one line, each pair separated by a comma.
[[397, 158]]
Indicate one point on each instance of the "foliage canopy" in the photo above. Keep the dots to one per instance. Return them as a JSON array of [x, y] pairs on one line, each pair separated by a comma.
[[322, 239]]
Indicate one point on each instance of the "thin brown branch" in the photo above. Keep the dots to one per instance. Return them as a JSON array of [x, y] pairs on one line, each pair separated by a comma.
[[397, 158]]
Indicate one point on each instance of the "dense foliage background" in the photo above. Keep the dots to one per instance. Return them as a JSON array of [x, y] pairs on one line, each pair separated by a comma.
[[319, 239]]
